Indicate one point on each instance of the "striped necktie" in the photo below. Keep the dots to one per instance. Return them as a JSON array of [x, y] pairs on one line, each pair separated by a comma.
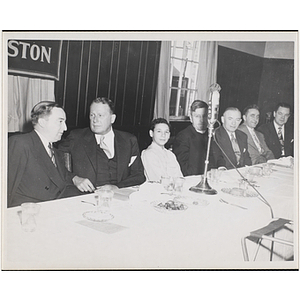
[[280, 137], [50, 146], [236, 148]]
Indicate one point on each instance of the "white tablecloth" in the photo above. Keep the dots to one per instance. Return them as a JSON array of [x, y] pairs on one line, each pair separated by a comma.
[[205, 235]]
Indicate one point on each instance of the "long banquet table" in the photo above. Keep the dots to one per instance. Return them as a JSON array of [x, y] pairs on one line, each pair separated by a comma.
[[205, 235]]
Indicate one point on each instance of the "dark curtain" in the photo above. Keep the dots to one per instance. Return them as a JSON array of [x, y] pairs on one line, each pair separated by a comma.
[[124, 71]]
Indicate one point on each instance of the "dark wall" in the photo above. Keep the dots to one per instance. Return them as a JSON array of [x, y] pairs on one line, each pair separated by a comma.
[[277, 84], [239, 75], [124, 71], [248, 79]]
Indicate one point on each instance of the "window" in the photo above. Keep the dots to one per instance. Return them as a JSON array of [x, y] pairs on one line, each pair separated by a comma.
[[183, 77]]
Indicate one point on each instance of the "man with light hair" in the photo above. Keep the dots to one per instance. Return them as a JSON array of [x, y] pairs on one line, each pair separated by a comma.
[[102, 155]]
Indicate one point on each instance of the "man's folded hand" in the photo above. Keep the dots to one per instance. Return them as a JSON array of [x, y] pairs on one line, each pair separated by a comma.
[[83, 184]]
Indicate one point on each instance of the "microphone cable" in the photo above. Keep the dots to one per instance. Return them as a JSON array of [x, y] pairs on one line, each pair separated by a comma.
[[261, 198]]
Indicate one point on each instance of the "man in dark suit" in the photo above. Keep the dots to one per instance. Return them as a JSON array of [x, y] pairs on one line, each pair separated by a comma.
[[232, 141], [278, 135], [101, 155], [36, 170], [257, 147], [190, 144]]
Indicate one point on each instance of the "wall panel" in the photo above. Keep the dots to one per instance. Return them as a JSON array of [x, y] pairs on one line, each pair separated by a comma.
[[124, 71]]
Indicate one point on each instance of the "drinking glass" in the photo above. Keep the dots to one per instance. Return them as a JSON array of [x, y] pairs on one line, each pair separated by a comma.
[[243, 184], [29, 211], [105, 196], [267, 169], [167, 183], [178, 184], [215, 175]]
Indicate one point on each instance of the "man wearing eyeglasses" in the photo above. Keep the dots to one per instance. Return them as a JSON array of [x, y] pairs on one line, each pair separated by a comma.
[[190, 144]]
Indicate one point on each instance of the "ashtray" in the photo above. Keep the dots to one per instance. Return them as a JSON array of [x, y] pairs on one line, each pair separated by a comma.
[[97, 216]]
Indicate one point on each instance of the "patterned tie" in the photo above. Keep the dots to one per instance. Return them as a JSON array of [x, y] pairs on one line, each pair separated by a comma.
[[256, 141], [279, 133], [104, 147], [236, 148], [50, 146]]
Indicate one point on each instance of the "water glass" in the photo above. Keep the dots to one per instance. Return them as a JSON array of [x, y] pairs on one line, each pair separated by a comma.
[[243, 184], [256, 171], [214, 175], [103, 201], [267, 169], [178, 184], [29, 211], [167, 183]]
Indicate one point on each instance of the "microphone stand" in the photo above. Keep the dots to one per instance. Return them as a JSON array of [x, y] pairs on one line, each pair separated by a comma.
[[203, 186]]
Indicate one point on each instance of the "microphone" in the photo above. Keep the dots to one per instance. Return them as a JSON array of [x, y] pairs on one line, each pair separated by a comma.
[[213, 103], [212, 116]]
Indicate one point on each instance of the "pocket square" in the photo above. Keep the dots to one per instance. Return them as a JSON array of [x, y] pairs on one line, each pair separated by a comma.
[[132, 159], [244, 150], [292, 140]]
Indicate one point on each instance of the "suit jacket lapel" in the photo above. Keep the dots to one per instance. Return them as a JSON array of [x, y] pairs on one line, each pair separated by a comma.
[[260, 137], [227, 145], [250, 139], [90, 147], [45, 162], [121, 154], [275, 135], [239, 140], [60, 164]]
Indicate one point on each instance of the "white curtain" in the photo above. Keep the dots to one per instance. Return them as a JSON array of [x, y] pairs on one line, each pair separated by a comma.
[[162, 97], [23, 94], [207, 72], [207, 75]]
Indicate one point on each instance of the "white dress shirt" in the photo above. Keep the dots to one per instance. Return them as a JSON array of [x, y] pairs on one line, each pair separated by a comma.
[[255, 139], [159, 162], [109, 140], [276, 128], [45, 142]]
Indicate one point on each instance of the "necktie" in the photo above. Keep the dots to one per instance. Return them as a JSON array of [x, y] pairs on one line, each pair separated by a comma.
[[104, 147], [280, 137], [236, 148], [256, 141], [50, 146]]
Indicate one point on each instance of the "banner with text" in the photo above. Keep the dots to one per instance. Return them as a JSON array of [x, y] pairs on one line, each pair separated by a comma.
[[39, 58]]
